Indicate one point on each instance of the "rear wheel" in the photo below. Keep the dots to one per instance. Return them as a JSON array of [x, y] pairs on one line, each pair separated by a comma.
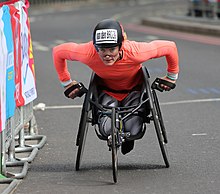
[[160, 132], [160, 118], [156, 117], [114, 147], [82, 133]]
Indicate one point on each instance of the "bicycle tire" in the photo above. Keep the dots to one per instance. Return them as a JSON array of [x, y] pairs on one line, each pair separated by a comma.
[[114, 147]]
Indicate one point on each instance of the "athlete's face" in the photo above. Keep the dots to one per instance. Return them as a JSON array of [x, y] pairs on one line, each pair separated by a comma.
[[109, 55]]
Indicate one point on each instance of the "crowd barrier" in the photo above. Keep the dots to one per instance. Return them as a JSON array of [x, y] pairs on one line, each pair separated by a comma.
[[205, 8], [19, 141]]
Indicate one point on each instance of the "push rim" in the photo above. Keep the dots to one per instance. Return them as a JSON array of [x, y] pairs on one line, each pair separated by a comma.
[[114, 148]]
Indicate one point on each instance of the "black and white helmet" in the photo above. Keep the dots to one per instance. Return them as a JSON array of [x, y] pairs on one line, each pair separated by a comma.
[[108, 33]]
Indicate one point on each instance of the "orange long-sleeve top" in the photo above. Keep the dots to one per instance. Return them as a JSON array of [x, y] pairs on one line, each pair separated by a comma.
[[123, 74]]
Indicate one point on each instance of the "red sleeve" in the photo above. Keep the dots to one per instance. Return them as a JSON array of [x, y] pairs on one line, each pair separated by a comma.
[[156, 49], [169, 50], [73, 52]]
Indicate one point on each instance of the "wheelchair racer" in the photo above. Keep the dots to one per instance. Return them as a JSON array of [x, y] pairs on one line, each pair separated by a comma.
[[117, 62]]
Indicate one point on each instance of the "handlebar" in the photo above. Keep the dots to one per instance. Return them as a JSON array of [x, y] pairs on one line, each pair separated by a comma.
[[82, 89], [158, 81], [80, 86]]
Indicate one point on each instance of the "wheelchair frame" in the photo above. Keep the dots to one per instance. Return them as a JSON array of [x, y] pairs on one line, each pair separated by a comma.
[[117, 137]]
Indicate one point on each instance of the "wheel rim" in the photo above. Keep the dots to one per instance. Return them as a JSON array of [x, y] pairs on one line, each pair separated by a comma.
[[162, 144], [82, 139], [160, 118], [114, 148]]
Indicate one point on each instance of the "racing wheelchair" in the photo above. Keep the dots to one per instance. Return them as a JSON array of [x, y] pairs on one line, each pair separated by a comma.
[[118, 114]]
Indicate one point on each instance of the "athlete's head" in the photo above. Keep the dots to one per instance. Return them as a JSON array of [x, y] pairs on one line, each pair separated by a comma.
[[107, 34], [107, 39]]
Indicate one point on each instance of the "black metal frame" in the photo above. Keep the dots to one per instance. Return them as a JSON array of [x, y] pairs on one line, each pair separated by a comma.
[[87, 117]]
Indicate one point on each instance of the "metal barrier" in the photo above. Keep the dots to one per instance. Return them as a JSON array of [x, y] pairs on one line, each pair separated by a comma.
[[20, 142], [204, 8]]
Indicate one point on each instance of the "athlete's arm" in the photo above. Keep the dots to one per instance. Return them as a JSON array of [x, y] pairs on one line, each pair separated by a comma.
[[169, 50], [72, 52], [159, 48]]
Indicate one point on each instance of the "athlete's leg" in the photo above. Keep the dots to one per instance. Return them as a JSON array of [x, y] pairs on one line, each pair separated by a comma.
[[134, 123], [104, 120]]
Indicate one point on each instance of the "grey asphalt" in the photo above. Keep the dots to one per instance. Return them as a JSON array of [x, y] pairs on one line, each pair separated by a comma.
[[171, 20], [168, 18]]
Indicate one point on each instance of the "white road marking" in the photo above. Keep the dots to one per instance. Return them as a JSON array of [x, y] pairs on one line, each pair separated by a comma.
[[199, 134], [63, 107], [59, 41], [191, 101], [38, 46], [151, 37], [42, 106]]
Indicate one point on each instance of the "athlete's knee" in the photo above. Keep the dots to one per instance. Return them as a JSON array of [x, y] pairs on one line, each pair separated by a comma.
[[134, 125], [104, 120], [105, 125]]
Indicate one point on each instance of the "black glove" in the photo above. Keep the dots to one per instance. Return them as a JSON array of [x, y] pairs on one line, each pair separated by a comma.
[[158, 81], [80, 86]]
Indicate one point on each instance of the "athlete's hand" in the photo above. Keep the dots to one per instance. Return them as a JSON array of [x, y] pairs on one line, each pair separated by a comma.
[[165, 87], [73, 93]]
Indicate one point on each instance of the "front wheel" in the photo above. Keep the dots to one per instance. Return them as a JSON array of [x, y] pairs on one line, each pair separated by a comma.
[[114, 147]]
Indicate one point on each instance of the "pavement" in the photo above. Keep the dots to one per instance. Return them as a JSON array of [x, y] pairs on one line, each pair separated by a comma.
[[172, 19], [7, 185], [174, 15], [184, 23]]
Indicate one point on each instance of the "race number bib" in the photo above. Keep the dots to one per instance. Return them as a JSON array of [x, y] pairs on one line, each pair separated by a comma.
[[106, 36]]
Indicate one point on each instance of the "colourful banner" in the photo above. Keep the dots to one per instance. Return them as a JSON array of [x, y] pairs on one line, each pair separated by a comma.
[[10, 82], [15, 20], [27, 71], [3, 60], [30, 49], [17, 75], [8, 2]]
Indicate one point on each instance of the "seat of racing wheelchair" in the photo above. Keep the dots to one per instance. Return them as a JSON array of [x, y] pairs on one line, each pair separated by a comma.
[[96, 108]]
